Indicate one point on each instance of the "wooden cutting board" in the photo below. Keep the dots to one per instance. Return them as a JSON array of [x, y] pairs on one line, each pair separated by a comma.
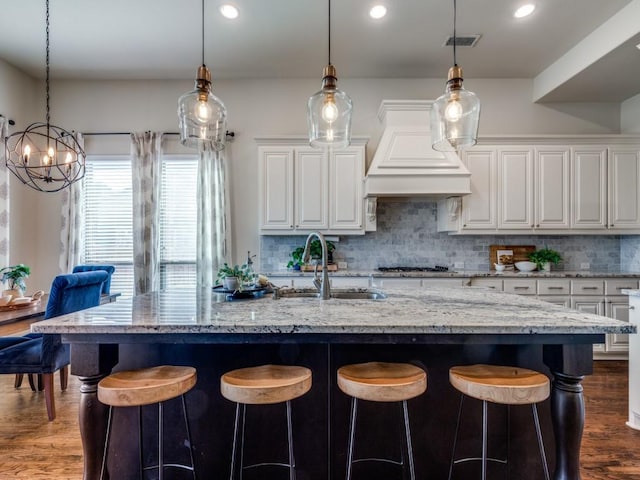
[[520, 254]]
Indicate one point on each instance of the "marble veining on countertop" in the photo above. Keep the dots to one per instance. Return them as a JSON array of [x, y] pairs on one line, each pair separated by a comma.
[[462, 274], [433, 310]]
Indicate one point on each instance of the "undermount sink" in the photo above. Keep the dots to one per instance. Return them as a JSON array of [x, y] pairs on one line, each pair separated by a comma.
[[342, 294]]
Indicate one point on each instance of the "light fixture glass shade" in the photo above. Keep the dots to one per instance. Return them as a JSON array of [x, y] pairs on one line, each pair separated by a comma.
[[202, 116], [45, 157], [329, 114], [455, 116]]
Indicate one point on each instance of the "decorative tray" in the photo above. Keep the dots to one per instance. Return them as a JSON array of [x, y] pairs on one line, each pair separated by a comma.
[[17, 306], [252, 291]]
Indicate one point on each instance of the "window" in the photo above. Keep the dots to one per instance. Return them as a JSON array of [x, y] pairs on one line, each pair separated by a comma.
[[109, 224]]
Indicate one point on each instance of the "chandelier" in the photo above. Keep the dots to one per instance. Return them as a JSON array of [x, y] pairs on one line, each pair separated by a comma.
[[202, 116], [455, 114], [45, 157], [329, 110]]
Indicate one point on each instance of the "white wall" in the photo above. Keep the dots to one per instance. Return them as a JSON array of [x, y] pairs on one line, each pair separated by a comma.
[[277, 107], [630, 115]]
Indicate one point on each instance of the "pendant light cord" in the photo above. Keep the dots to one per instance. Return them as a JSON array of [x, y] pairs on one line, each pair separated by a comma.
[[454, 33], [329, 33], [202, 32], [47, 68]]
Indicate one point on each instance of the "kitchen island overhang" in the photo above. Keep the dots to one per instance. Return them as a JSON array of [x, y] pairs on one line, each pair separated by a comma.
[[436, 327]]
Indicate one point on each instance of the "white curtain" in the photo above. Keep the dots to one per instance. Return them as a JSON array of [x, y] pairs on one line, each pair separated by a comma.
[[213, 236], [145, 164], [4, 197], [72, 223]]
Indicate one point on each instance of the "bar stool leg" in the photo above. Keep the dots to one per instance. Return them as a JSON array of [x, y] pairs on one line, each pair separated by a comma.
[[106, 445], [543, 457], [292, 462], [484, 440], [234, 448], [140, 444], [407, 430], [352, 434], [186, 424], [455, 438], [160, 444]]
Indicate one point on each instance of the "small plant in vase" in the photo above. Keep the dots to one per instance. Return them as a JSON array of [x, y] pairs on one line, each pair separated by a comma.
[[296, 259], [236, 277], [544, 257], [14, 277]]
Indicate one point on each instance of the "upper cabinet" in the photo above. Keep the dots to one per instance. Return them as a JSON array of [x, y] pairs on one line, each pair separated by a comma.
[[551, 187], [303, 189]]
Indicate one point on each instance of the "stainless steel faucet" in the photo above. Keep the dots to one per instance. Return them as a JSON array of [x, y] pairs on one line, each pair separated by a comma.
[[322, 285]]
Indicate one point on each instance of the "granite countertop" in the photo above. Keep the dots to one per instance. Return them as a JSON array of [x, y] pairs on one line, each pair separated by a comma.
[[462, 310], [462, 274]]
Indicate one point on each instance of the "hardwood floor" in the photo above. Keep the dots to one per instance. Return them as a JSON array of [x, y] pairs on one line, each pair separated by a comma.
[[35, 448]]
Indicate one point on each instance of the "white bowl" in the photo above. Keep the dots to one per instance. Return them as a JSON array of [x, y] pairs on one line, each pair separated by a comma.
[[525, 266], [499, 267]]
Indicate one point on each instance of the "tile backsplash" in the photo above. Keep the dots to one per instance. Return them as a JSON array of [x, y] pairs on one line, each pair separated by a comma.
[[406, 235]]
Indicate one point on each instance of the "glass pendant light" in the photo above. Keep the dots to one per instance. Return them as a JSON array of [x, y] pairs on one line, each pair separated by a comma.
[[45, 157], [202, 116], [456, 114], [329, 110]]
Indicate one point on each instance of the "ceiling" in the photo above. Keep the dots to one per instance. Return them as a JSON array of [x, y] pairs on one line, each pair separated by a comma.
[[161, 39]]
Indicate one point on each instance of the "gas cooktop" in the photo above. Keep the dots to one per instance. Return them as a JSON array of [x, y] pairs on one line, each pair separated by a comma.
[[437, 268]]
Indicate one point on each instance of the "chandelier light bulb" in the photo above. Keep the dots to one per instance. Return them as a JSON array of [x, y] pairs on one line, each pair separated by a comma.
[[453, 112], [25, 153], [203, 111], [45, 160], [68, 159], [50, 152], [329, 111], [330, 135]]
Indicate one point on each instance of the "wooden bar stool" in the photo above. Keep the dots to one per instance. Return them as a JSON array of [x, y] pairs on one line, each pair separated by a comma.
[[503, 385], [381, 382], [266, 384], [148, 386]]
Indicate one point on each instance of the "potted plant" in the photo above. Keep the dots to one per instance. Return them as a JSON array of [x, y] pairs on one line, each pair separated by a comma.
[[296, 259], [236, 277], [315, 249], [14, 276], [544, 257]]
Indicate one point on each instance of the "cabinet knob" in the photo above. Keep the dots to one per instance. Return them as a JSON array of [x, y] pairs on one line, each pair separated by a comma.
[[631, 307]]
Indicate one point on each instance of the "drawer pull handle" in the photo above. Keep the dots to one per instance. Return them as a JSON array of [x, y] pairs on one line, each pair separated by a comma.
[[589, 288], [555, 288], [521, 288]]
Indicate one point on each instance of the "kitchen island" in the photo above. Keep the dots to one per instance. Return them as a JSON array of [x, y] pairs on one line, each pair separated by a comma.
[[433, 327]]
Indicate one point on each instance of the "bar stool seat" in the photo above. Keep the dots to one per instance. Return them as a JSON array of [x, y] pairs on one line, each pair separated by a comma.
[[381, 382], [261, 385], [501, 385], [148, 386]]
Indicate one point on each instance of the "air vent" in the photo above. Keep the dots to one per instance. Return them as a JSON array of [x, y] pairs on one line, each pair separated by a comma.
[[462, 40]]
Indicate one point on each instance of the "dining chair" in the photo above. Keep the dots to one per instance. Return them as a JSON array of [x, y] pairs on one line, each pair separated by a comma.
[[106, 287], [45, 354]]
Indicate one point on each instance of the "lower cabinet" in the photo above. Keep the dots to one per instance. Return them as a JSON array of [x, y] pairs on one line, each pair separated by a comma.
[[598, 296]]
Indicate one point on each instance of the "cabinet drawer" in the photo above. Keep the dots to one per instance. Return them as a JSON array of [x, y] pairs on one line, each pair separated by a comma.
[[564, 300], [443, 282], [395, 282], [526, 286], [587, 287], [554, 287], [614, 286], [492, 283], [338, 282]]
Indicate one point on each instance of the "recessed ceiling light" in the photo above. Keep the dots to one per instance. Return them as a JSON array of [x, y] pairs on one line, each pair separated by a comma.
[[525, 10], [378, 11], [229, 11]]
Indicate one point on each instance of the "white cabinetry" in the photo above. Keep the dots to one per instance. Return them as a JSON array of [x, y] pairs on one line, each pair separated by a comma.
[[551, 185], [304, 189], [515, 188]]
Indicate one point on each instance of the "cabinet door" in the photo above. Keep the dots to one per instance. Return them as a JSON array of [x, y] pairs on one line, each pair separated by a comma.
[[589, 187], [276, 187], [311, 189], [346, 168], [515, 184], [562, 300], [624, 188], [479, 210], [552, 181], [618, 308], [594, 305]]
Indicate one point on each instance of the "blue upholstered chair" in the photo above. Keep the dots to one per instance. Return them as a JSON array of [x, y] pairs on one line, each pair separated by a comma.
[[106, 288], [45, 354]]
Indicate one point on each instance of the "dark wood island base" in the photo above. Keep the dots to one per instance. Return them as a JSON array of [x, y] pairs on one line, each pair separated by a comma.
[[321, 417]]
